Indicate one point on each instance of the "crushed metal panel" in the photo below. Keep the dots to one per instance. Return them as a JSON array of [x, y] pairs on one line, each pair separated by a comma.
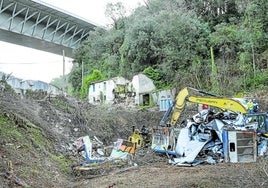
[[217, 126], [193, 149], [187, 149], [183, 142]]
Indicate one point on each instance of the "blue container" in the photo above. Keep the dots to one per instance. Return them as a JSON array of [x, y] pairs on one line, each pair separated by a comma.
[[225, 141]]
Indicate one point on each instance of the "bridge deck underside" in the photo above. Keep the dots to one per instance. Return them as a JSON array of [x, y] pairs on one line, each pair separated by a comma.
[[35, 25]]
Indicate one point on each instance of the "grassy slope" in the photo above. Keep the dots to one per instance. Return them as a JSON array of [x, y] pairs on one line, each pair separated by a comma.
[[27, 154]]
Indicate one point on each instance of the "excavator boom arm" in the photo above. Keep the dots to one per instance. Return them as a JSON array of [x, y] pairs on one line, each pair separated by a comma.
[[222, 103], [219, 102]]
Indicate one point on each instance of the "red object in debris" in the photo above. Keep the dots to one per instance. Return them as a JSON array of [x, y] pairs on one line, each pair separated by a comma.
[[204, 106]]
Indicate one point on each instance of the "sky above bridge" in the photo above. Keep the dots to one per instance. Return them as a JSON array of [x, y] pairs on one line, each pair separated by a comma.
[[27, 63]]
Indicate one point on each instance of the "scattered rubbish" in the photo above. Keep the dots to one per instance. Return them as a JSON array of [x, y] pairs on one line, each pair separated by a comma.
[[222, 131], [96, 158], [84, 145], [189, 152], [122, 149]]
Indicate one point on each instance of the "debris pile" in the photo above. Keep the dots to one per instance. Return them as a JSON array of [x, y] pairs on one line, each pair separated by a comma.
[[207, 137], [98, 161], [210, 137]]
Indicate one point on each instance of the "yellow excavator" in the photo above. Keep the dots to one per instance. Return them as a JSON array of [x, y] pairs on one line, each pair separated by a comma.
[[210, 100], [163, 137]]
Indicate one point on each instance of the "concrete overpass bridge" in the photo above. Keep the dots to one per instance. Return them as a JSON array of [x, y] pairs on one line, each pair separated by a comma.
[[35, 24]]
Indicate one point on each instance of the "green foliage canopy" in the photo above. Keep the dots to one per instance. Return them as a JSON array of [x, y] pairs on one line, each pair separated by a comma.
[[170, 41], [95, 76]]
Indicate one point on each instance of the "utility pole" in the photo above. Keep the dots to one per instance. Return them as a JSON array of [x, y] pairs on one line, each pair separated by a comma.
[[254, 65], [82, 74], [63, 71]]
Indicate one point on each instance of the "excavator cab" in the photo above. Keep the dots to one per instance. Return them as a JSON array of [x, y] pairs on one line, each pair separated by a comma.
[[257, 121]]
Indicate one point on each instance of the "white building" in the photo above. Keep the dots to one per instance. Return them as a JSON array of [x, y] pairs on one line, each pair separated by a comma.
[[143, 87], [141, 91], [107, 91]]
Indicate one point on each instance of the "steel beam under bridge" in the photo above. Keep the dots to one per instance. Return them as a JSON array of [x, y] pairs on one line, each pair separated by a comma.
[[41, 26]]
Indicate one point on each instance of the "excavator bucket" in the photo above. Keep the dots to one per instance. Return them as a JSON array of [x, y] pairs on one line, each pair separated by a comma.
[[162, 140]]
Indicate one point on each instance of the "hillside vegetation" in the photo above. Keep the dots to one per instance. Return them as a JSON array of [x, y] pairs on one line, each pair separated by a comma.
[[218, 46]]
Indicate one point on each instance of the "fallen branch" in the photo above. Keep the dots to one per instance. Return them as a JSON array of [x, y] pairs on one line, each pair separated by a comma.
[[124, 170], [95, 176], [21, 121], [264, 169], [82, 168]]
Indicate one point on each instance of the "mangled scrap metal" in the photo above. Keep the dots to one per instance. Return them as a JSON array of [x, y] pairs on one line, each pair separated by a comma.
[[84, 145], [210, 137], [202, 137]]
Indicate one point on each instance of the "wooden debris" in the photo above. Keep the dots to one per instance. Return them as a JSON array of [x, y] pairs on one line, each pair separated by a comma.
[[119, 171]]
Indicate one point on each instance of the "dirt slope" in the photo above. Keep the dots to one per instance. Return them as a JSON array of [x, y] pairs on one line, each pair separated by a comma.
[[37, 134], [36, 148]]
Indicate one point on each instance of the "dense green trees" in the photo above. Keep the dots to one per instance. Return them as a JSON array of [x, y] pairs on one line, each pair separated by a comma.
[[171, 40]]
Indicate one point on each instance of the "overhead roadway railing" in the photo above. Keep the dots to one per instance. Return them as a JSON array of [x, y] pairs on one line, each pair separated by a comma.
[[42, 21]]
